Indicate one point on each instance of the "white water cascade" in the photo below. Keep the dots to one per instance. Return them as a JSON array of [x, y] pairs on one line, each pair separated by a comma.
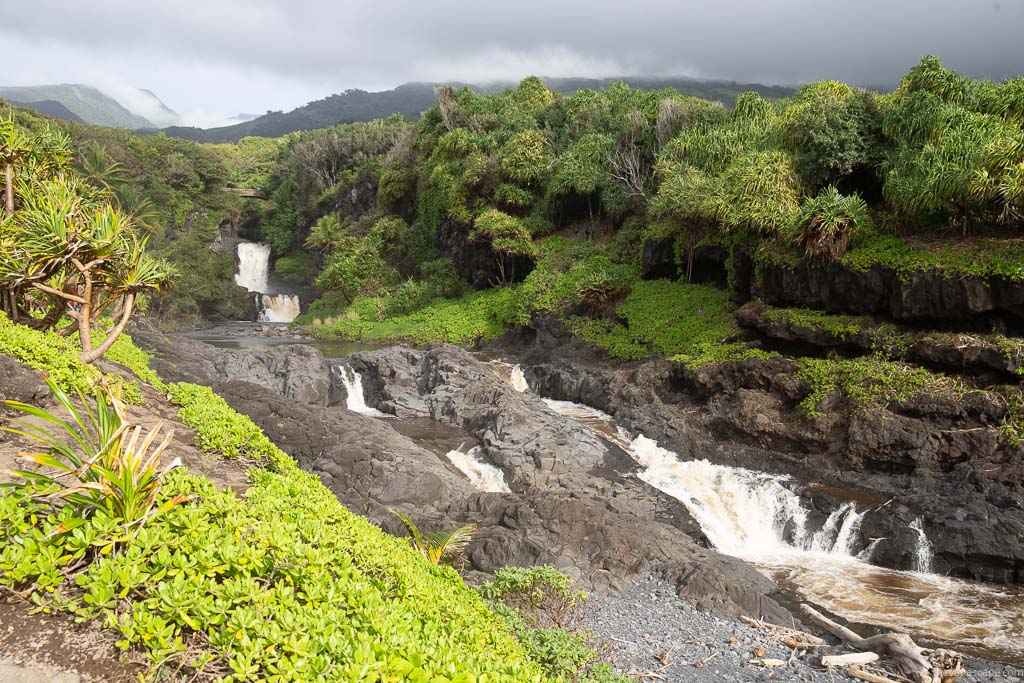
[[518, 380], [923, 549], [758, 517], [354, 399], [254, 274], [482, 475]]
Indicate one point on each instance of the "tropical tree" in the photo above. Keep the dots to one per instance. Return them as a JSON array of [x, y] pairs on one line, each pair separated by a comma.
[[69, 252], [508, 237], [99, 168]]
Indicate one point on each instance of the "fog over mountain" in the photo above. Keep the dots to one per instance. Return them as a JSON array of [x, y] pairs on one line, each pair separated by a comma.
[[230, 56]]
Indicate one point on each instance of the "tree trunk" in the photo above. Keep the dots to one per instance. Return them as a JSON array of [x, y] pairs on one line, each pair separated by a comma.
[[126, 314], [9, 189], [85, 317], [912, 661]]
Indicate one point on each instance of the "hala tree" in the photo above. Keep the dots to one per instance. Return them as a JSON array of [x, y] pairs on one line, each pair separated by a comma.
[[66, 250], [508, 237]]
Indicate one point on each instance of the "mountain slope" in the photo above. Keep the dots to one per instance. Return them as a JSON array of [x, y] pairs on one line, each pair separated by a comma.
[[52, 108], [411, 99], [87, 103]]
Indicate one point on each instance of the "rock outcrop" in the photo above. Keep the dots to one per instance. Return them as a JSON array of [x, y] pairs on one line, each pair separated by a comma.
[[929, 297]]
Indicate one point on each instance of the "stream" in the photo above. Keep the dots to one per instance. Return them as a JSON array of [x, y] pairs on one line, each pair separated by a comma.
[[755, 516]]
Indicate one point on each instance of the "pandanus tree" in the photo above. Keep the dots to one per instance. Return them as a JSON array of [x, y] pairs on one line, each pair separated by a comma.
[[69, 252]]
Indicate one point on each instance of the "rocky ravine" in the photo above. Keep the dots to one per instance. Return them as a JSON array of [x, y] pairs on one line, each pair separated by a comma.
[[574, 503]]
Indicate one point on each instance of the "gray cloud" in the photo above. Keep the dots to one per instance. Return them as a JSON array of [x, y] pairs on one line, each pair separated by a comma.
[[250, 55]]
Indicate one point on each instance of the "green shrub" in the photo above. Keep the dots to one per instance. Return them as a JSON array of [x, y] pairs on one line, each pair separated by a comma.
[[296, 268], [55, 355], [219, 429]]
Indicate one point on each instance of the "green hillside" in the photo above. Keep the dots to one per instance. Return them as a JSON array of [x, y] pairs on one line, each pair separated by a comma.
[[87, 103]]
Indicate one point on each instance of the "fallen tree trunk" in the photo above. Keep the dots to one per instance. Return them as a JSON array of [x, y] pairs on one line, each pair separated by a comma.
[[909, 659]]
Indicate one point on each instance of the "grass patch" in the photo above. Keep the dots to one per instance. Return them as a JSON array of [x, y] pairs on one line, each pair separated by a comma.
[[685, 322], [871, 379], [476, 317]]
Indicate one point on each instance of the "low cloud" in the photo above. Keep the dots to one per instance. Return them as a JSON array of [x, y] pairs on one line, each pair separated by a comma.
[[254, 55]]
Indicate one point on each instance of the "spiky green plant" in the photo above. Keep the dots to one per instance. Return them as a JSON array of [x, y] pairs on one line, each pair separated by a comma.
[[827, 222], [439, 547], [96, 461]]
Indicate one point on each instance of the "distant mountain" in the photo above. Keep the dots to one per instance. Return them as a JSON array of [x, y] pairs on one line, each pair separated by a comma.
[[51, 108], [83, 101], [412, 99]]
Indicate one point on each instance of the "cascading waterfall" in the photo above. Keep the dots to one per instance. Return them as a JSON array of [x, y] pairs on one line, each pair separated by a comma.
[[482, 475], [279, 308], [755, 516], [743, 513], [518, 380], [354, 399], [254, 274], [922, 549]]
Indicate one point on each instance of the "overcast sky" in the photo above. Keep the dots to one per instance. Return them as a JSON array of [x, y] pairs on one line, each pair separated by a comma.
[[228, 56]]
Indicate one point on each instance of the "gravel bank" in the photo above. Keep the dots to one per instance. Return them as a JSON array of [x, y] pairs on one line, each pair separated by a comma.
[[648, 620]]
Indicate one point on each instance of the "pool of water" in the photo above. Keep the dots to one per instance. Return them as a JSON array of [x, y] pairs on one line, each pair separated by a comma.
[[247, 336]]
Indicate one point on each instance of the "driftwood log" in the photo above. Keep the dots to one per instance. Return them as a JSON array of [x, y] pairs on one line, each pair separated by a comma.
[[909, 659], [848, 659]]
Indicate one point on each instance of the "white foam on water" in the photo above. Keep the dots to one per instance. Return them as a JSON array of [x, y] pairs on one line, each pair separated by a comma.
[[752, 515], [483, 475]]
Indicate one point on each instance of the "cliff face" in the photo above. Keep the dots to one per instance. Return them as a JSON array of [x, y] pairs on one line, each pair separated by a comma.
[[478, 264], [920, 298]]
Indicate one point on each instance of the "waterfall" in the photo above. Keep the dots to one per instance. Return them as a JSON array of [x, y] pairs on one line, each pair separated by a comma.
[[483, 475], [354, 400], [758, 517], [518, 380], [922, 549], [742, 512], [279, 308], [253, 266], [254, 274]]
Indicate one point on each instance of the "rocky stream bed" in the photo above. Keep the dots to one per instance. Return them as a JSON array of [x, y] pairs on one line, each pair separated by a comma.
[[581, 500]]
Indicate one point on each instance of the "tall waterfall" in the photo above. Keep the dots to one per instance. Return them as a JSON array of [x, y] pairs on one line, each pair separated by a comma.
[[483, 475], [254, 274], [253, 266], [354, 399]]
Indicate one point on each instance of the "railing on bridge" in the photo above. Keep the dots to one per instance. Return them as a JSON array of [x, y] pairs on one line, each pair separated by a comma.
[[251, 192]]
